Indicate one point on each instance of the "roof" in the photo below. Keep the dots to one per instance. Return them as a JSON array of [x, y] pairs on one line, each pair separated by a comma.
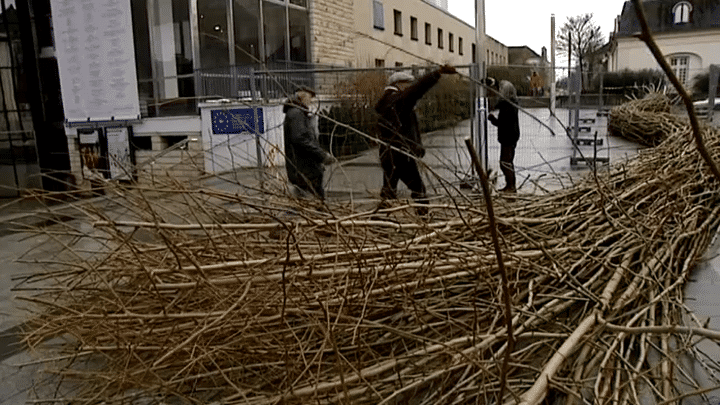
[[524, 55], [705, 14], [523, 49]]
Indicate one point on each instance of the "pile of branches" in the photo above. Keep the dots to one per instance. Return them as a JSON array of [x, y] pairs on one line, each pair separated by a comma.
[[647, 121], [278, 301]]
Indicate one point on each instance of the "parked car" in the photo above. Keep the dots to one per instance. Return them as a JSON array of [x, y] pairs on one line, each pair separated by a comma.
[[705, 104]]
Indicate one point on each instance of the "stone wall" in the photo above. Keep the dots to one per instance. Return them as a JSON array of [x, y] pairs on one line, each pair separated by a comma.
[[332, 32], [183, 164]]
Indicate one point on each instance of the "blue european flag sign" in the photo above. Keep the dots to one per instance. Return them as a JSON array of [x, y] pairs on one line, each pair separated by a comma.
[[237, 121]]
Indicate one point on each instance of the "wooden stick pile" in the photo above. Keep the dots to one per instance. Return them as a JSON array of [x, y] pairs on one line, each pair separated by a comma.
[[295, 303], [647, 121]]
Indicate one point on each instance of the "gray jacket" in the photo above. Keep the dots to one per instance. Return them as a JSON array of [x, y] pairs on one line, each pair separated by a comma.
[[303, 155]]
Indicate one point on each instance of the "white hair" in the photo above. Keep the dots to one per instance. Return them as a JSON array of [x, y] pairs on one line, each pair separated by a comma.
[[507, 90]]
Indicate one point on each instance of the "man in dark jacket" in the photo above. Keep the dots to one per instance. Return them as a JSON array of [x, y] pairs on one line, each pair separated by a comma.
[[304, 158], [508, 131], [400, 138]]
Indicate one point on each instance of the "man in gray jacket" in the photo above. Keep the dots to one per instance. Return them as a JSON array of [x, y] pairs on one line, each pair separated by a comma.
[[304, 158]]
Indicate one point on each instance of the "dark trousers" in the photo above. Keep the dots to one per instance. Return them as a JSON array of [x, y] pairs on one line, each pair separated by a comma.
[[397, 166], [507, 155], [312, 186]]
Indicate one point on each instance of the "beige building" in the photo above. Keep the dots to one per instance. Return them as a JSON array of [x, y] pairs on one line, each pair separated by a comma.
[[392, 33], [686, 32], [496, 53]]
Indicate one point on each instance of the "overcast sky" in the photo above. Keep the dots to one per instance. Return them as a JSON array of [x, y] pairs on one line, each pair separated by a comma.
[[527, 22]]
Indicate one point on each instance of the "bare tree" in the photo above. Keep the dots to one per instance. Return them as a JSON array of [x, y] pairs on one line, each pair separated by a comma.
[[580, 37]]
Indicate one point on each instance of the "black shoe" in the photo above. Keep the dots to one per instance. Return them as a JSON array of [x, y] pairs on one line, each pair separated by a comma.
[[422, 212], [508, 190]]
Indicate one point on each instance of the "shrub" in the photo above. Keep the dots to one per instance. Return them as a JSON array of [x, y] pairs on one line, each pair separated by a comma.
[[629, 82], [518, 76]]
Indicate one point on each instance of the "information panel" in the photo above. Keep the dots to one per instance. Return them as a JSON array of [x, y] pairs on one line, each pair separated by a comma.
[[96, 58], [118, 150]]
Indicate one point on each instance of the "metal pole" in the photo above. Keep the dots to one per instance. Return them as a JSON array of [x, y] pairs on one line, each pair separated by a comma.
[[569, 73], [287, 33], [258, 145], [195, 39], [552, 64], [232, 57], [602, 89], [480, 59]]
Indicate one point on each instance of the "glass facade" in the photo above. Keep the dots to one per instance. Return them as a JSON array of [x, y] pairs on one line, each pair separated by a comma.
[[18, 155], [190, 49]]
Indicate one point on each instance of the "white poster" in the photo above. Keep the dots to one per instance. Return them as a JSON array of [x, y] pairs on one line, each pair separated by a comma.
[[96, 58], [118, 149]]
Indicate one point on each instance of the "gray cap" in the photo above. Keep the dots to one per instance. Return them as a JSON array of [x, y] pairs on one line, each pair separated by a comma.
[[400, 77]]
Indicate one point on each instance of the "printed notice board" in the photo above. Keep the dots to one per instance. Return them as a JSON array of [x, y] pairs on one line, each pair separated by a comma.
[[96, 59]]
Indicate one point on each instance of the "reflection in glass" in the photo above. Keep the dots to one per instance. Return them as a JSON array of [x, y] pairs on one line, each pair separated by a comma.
[[183, 48], [212, 24], [247, 22], [143, 64], [274, 18], [299, 28], [163, 56]]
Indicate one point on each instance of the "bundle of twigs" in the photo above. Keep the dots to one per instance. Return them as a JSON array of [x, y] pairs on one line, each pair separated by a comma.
[[647, 121], [274, 303]]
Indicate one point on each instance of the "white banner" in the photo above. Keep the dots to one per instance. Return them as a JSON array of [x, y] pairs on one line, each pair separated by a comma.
[[96, 58]]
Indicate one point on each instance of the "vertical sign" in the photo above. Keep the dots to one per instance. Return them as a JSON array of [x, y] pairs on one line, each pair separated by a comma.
[[96, 59], [118, 150]]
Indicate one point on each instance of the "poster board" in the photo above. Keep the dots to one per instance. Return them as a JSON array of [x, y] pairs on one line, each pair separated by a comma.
[[96, 59], [119, 157]]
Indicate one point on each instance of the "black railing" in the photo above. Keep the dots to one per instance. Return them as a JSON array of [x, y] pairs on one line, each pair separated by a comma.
[[255, 82]]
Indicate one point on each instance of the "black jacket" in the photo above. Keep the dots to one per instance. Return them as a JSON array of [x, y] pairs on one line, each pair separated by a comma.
[[507, 123], [398, 124], [303, 155]]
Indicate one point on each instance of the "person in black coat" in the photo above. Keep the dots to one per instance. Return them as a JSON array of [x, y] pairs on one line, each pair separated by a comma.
[[399, 133], [508, 131], [304, 158]]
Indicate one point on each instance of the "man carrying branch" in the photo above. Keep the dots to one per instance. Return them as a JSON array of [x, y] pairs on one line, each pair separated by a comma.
[[400, 138]]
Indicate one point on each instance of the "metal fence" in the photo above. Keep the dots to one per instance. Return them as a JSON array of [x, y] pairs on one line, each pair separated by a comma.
[[346, 97], [249, 82]]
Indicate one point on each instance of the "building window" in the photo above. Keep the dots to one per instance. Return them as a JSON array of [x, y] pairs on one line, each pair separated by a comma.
[[428, 34], [413, 29], [440, 38], [680, 65], [379, 63], [460, 47], [398, 64], [451, 42], [398, 22], [474, 53], [378, 15], [681, 12]]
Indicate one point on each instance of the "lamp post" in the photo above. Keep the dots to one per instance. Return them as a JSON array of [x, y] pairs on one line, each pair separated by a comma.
[[481, 102]]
